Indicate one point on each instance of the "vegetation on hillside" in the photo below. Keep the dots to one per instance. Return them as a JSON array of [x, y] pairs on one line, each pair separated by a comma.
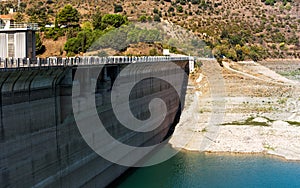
[[234, 29]]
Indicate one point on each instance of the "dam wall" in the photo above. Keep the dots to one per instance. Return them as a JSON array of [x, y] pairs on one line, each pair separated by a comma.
[[41, 145]]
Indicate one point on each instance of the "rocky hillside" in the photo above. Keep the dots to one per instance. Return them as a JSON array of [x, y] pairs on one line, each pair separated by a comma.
[[232, 28]]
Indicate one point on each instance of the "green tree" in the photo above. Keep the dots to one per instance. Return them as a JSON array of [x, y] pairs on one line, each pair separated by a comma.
[[72, 45], [97, 20], [40, 48], [80, 43], [115, 39], [239, 52], [22, 7], [68, 16], [19, 17], [115, 20], [33, 19], [85, 38], [220, 51], [224, 34], [38, 15]]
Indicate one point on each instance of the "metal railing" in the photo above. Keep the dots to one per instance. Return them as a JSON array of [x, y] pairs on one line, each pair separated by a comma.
[[33, 26], [86, 60]]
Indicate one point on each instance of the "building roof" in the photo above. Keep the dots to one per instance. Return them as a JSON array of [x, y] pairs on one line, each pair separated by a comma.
[[7, 17]]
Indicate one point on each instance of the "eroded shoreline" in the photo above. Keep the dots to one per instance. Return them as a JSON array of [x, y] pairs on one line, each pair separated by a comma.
[[260, 116]]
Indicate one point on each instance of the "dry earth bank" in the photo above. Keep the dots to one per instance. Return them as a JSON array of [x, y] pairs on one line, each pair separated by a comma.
[[256, 111]]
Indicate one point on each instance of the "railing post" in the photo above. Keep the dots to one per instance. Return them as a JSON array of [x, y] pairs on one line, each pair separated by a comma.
[[18, 62], [38, 62], [71, 61], [48, 62], [5, 62], [28, 62], [77, 60]]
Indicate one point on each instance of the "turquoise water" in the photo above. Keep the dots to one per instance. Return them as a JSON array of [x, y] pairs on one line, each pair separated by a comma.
[[189, 169]]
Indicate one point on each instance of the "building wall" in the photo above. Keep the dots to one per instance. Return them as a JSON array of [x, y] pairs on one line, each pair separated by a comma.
[[31, 44], [3, 42], [20, 45], [17, 44]]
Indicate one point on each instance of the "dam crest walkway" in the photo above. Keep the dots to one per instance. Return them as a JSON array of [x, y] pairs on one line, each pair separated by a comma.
[[7, 63]]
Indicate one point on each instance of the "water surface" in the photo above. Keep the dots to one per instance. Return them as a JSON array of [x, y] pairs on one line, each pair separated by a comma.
[[191, 169]]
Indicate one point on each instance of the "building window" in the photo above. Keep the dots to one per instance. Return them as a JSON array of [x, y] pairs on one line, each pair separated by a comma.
[[11, 45]]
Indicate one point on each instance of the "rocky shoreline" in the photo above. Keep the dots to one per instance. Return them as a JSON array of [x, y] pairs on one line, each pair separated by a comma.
[[260, 116]]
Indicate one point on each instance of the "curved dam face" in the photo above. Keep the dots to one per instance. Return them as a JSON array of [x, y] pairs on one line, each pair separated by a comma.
[[41, 145]]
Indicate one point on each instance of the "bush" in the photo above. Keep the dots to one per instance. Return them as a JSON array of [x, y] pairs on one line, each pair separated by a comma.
[[143, 18], [54, 33], [149, 19], [182, 2], [195, 2], [179, 9], [118, 8], [72, 45], [270, 2], [156, 18], [171, 9], [153, 52]]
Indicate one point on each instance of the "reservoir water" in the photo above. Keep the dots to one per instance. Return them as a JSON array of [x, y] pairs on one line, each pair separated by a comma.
[[192, 169]]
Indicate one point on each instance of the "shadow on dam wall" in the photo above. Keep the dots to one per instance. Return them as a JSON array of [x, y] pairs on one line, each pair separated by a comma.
[[41, 145]]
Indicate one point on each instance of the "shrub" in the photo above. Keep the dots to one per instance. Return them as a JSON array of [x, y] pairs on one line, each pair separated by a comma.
[[143, 18], [171, 9], [153, 52], [118, 8], [156, 18], [179, 9], [194, 2]]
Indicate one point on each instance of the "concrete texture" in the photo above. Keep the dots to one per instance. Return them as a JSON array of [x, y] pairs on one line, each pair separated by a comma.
[[40, 142]]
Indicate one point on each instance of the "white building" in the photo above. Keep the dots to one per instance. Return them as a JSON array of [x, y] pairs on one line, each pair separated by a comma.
[[166, 52], [17, 39]]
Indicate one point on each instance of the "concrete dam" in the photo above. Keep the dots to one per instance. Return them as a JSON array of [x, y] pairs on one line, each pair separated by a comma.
[[41, 142]]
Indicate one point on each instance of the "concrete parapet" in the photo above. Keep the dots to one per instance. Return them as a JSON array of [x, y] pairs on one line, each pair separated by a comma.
[[9, 63]]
